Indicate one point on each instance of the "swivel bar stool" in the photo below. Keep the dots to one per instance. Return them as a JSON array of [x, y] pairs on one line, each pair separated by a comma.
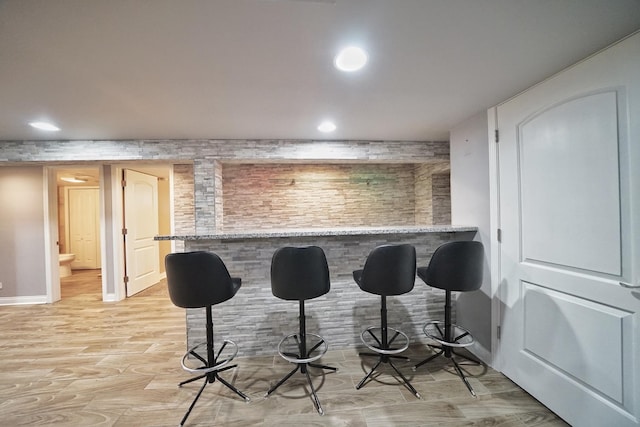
[[454, 266], [388, 270], [301, 274], [201, 280]]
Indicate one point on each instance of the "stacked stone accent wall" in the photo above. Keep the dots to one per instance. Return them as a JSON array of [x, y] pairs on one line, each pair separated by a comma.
[[441, 196], [206, 156], [267, 196], [257, 320], [423, 208], [183, 200]]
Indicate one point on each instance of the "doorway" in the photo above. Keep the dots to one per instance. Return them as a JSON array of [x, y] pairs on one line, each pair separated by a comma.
[[568, 260], [78, 211], [105, 179]]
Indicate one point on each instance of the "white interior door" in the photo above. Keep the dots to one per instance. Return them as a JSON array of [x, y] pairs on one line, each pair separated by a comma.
[[569, 185], [83, 222], [141, 224]]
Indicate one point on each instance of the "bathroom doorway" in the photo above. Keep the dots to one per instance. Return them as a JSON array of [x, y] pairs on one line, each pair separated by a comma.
[[79, 242], [107, 261]]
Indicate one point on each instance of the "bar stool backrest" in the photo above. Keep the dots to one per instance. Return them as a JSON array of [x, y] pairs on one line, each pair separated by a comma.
[[198, 279], [456, 266], [299, 273], [389, 270]]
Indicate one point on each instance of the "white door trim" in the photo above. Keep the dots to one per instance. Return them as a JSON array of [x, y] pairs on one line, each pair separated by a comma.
[[494, 217], [52, 270]]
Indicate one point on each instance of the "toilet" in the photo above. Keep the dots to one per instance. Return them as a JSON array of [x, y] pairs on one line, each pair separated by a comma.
[[65, 264]]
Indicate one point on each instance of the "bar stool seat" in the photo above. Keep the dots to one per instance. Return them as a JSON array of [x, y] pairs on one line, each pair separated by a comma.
[[389, 270], [300, 274], [201, 280], [454, 267]]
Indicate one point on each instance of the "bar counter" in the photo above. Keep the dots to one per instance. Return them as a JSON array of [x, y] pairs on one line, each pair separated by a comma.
[[256, 320]]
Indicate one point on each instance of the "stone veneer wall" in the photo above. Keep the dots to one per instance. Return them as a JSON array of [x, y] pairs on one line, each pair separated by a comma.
[[441, 197], [423, 207], [206, 156], [219, 203], [183, 201], [256, 320], [264, 196]]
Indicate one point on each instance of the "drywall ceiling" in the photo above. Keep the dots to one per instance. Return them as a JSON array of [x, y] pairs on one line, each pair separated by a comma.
[[244, 69]]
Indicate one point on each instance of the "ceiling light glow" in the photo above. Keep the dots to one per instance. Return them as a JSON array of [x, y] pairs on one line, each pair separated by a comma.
[[73, 179], [326, 127], [50, 127], [350, 59]]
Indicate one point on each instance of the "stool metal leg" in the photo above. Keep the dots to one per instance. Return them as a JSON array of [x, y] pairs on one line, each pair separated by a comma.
[[384, 345], [316, 401], [406, 381], [470, 359], [304, 361], [231, 387], [464, 378], [209, 362], [315, 365], [361, 383], [283, 380], [447, 336], [427, 360], [206, 381]]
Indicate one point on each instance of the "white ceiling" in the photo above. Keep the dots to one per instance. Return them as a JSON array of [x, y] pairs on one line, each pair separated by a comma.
[[243, 69]]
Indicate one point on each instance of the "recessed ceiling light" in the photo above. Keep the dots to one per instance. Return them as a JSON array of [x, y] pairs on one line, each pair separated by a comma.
[[326, 126], [75, 180], [350, 59], [45, 126]]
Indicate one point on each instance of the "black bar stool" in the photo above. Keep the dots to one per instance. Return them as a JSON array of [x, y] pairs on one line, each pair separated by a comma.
[[454, 266], [388, 270], [301, 274], [201, 280]]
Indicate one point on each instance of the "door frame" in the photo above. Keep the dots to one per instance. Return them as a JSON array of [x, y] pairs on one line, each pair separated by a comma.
[[494, 225], [116, 256], [111, 213], [52, 247], [588, 85]]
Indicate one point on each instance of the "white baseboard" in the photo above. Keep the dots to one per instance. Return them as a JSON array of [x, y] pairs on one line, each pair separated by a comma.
[[109, 297], [35, 299]]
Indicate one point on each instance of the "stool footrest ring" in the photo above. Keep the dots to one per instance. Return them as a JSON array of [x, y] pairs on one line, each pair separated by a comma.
[[320, 346], [403, 346], [220, 363], [460, 337]]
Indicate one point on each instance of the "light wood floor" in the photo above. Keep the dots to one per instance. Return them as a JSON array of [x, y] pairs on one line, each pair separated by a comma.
[[82, 362]]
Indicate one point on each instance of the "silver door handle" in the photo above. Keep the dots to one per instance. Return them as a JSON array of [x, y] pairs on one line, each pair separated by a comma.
[[629, 285]]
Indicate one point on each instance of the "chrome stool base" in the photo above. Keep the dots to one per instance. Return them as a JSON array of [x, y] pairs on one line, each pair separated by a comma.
[[383, 350], [210, 371], [303, 359], [460, 338]]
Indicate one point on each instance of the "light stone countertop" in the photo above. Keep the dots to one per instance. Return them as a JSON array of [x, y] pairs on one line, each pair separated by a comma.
[[310, 232]]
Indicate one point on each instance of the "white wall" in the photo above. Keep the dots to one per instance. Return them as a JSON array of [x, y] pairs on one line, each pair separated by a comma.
[[470, 206], [22, 219]]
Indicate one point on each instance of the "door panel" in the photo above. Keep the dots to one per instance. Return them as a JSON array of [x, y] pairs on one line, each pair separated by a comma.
[[141, 222], [550, 319], [570, 232], [84, 227], [569, 182]]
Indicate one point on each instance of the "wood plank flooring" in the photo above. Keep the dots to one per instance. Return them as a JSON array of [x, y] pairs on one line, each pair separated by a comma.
[[82, 362]]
